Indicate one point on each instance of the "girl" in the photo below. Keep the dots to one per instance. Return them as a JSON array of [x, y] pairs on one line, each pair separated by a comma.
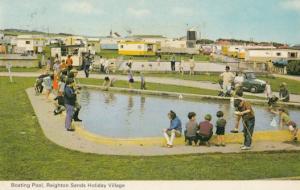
[[285, 119]]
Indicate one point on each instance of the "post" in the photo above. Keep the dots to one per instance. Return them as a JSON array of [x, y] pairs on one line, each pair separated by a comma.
[[9, 66]]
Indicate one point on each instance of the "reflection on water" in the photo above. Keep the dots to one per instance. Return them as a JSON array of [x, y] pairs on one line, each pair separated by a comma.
[[128, 115]]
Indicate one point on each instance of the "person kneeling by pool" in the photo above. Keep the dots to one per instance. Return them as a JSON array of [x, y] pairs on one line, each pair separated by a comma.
[[205, 130], [285, 120], [174, 130], [191, 129]]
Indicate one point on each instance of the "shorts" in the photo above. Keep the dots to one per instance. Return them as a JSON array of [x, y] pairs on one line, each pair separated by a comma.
[[131, 80], [292, 125], [220, 131]]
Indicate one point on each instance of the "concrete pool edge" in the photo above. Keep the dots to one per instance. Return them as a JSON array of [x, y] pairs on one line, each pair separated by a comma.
[[183, 95], [274, 136], [54, 130]]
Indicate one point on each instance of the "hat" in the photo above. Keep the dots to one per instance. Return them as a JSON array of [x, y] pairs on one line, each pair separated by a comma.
[[207, 117]]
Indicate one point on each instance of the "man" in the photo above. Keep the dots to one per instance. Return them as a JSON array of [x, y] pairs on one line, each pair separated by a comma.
[[87, 64], [248, 118], [174, 130], [173, 61], [69, 100], [69, 61], [227, 77], [72, 76]]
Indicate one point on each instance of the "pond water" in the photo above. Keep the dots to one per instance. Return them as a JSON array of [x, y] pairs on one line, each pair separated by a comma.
[[130, 115]]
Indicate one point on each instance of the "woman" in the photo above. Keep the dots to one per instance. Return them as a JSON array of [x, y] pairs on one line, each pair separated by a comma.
[[174, 130]]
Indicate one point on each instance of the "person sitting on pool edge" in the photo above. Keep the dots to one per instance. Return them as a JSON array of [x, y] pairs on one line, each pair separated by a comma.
[[191, 129], [174, 130], [205, 130]]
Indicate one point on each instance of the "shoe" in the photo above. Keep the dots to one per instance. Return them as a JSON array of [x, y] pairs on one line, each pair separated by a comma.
[[70, 129], [207, 144], [246, 148], [217, 145], [295, 139], [223, 145], [169, 146], [234, 131], [242, 146], [78, 120]]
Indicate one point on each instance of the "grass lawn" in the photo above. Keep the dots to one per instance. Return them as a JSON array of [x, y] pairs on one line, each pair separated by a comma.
[[164, 57], [26, 154], [20, 69]]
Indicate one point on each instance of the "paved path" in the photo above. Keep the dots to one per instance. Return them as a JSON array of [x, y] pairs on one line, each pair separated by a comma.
[[162, 80], [53, 128]]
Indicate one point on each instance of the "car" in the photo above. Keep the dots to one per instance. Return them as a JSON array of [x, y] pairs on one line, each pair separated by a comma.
[[252, 84]]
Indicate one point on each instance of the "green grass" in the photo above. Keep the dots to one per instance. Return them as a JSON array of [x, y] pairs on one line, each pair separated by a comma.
[[292, 85], [164, 57], [20, 69], [26, 154]]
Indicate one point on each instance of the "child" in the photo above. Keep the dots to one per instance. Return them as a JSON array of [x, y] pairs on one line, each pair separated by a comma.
[[181, 67], [221, 123], [191, 129], [130, 79], [205, 130], [60, 106], [108, 82], [143, 82], [286, 120], [174, 130]]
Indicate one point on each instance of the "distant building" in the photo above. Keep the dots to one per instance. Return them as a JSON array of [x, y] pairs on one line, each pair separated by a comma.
[[94, 44], [264, 55], [137, 48], [30, 43], [109, 43]]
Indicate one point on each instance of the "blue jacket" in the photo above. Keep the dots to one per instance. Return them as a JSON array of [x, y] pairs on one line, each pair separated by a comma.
[[175, 124], [69, 96]]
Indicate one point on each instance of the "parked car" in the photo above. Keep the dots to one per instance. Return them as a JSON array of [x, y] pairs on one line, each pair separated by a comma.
[[252, 84]]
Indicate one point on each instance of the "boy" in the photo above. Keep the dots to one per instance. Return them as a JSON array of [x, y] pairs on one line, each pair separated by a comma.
[[221, 123], [246, 112], [60, 107], [191, 129], [205, 130]]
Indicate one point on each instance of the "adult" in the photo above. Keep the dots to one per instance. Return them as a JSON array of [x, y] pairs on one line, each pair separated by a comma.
[[102, 64], [69, 100], [192, 65], [87, 64], [246, 112], [284, 94], [174, 130], [69, 61], [63, 65], [205, 130], [72, 76], [238, 81], [227, 78], [173, 61], [48, 65]]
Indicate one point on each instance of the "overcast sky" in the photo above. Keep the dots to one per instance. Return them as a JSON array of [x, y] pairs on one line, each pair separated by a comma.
[[261, 20]]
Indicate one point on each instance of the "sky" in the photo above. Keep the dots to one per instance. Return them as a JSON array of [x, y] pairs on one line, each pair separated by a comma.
[[259, 20]]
